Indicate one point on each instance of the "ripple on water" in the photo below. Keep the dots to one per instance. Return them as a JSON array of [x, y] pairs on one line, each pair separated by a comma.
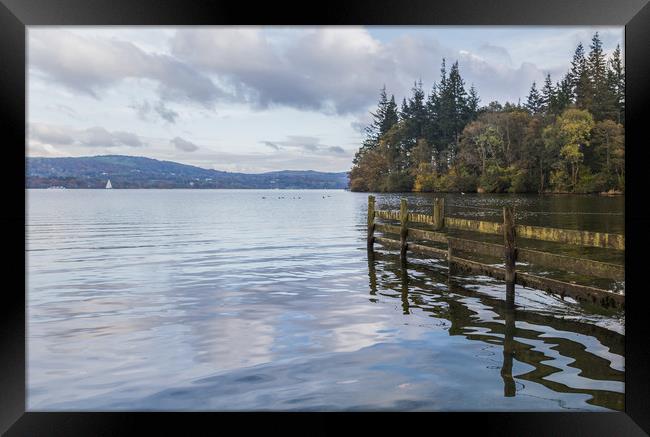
[[234, 302]]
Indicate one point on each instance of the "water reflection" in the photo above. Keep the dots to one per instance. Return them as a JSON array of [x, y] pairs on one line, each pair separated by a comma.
[[140, 300], [508, 349], [565, 356]]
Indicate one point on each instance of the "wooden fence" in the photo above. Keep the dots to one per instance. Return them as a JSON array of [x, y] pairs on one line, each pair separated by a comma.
[[418, 240]]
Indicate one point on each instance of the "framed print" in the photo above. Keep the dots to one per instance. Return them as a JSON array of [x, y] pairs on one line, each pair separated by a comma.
[[279, 218]]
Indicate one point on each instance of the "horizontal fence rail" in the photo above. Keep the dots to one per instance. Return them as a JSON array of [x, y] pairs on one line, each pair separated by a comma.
[[566, 236], [412, 239], [570, 236], [473, 225]]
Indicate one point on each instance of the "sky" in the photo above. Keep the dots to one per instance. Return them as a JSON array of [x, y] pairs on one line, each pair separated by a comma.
[[256, 99]]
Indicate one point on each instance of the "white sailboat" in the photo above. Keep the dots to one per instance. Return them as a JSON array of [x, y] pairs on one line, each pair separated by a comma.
[[108, 185]]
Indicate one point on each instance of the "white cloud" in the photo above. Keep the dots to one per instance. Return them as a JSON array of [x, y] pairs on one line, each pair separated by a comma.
[[90, 65], [184, 145], [53, 135], [304, 144], [99, 137], [145, 110], [93, 137], [330, 69]]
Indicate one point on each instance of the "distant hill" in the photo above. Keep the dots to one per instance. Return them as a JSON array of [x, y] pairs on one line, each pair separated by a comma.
[[140, 172]]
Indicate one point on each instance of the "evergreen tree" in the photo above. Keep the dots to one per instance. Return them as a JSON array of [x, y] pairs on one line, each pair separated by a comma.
[[374, 131], [432, 127], [602, 101], [416, 112], [453, 113], [472, 103], [414, 120], [382, 120], [404, 110], [391, 116], [457, 86], [579, 77], [534, 101], [563, 93], [616, 83], [548, 97]]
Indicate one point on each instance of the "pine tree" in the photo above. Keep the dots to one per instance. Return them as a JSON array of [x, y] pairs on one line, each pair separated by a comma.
[[416, 111], [382, 120], [373, 131], [404, 110], [534, 101], [432, 126], [601, 100], [414, 118], [580, 78], [548, 97], [391, 116], [452, 112], [616, 83], [445, 111], [443, 74], [563, 93], [472, 102]]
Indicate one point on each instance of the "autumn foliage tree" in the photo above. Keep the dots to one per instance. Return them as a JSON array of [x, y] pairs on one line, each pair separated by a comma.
[[568, 136]]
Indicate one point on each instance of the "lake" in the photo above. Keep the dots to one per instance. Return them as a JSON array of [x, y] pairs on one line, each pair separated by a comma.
[[266, 300]]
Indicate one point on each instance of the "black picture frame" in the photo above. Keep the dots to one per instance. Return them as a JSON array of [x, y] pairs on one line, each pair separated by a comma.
[[15, 15]]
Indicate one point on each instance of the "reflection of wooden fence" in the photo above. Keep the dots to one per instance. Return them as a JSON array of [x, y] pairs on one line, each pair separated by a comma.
[[415, 239]]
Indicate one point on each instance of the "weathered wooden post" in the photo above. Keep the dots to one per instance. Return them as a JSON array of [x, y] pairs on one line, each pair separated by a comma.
[[372, 274], [509, 387], [438, 213], [449, 255], [404, 276], [371, 223], [510, 253], [403, 232]]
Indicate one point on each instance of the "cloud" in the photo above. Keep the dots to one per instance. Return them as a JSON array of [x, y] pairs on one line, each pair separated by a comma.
[[165, 113], [142, 109], [339, 70], [501, 82], [89, 65], [146, 109], [96, 136], [53, 135], [100, 137], [184, 145], [304, 144], [495, 54], [263, 162], [310, 147], [271, 145], [334, 70]]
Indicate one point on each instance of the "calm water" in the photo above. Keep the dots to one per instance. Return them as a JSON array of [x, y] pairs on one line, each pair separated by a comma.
[[266, 300]]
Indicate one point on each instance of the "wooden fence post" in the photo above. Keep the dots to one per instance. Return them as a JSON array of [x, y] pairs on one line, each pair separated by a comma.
[[449, 255], [405, 289], [372, 274], [438, 213], [509, 386], [403, 217], [510, 254], [371, 223]]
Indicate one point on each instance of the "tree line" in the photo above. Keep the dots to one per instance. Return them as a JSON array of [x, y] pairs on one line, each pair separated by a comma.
[[567, 136]]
